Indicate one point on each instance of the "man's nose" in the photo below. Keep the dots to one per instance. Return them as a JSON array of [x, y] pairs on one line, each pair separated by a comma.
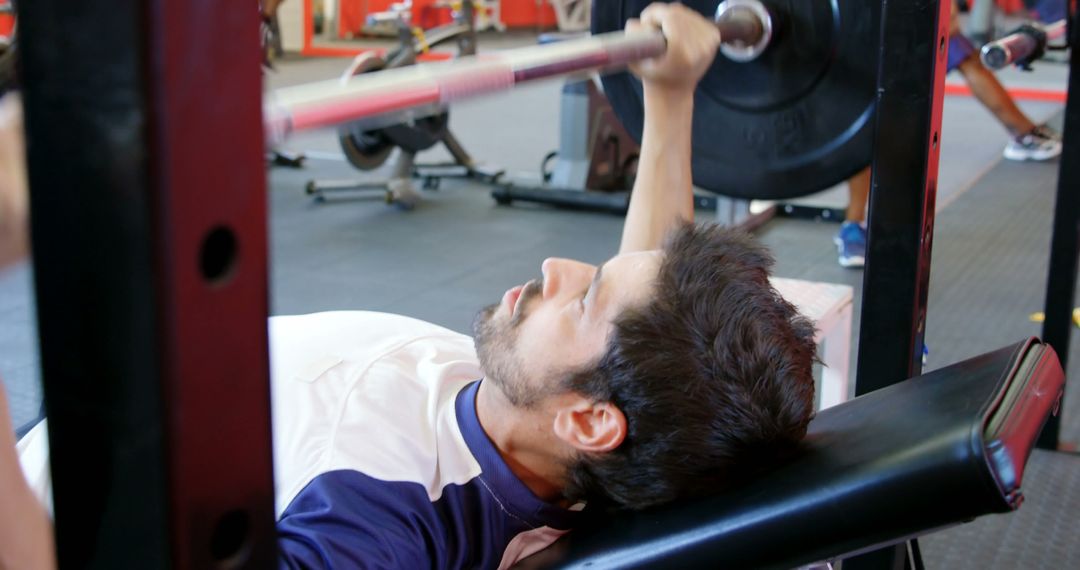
[[559, 273]]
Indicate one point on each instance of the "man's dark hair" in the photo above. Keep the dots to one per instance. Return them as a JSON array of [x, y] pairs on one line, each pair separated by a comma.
[[714, 375]]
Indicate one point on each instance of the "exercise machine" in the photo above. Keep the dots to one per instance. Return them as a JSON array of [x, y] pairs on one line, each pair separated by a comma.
[[368, 149], [572, 15], [595, 164]]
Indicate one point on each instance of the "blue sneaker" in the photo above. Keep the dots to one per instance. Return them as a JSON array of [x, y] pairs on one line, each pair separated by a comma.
[[851, 243]]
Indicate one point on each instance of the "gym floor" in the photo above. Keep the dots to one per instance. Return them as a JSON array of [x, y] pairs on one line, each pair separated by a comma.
[[458, 251]]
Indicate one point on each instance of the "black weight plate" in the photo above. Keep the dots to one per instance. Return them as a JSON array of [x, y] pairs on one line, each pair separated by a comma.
[[794, 121], [366, 150], [420, 135]]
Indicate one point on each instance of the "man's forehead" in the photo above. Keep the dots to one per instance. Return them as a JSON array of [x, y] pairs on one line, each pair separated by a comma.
[[629, 275], [636, 259]]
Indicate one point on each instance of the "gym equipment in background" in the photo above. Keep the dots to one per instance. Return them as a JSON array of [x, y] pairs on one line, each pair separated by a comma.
[[488, 14], [572, 15], [1022, 46], [791, 118], [595, 164], [369, 148]]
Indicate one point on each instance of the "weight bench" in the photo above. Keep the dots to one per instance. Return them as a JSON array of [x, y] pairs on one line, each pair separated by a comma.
[[924, 454]]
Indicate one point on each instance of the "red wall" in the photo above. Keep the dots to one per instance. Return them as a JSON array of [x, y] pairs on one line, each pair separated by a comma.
[[515, 14], [526, 14], [7, 24]]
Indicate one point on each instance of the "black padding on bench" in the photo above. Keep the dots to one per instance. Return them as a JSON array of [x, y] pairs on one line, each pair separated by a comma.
[[923, 454]]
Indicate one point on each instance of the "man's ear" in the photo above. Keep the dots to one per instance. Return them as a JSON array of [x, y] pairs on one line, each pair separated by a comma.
[[594, 427]]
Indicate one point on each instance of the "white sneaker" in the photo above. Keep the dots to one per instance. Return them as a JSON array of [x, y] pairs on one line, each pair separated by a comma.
[[1040, 144]]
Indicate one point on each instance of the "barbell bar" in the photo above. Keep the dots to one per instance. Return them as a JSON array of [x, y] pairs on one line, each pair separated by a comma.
[[1022, 46], [395, 96]]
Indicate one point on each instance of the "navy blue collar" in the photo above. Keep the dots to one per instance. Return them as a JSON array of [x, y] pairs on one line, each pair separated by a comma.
[[496, 474]]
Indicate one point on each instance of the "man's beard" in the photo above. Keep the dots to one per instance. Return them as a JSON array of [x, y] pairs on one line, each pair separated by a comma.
[[496, 338]]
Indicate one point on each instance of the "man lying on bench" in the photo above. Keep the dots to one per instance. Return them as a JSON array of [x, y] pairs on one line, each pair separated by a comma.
[[672, 370]]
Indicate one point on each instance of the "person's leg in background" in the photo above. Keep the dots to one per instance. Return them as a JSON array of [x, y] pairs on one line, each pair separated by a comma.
[[851, 239], [1028, 140]]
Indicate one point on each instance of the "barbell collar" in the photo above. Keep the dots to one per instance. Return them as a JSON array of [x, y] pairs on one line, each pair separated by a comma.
[[401, 95], [746, 27], [1022, 46]]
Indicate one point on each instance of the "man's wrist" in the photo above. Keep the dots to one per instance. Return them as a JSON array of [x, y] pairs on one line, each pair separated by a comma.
[[667, 96], [668, 105]]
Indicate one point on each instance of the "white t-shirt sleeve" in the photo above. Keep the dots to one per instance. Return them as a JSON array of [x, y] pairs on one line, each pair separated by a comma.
[[33, 450]]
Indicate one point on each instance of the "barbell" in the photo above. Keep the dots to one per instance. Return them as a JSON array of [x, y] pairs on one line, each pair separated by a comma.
[[784, 111], [1024, 45]]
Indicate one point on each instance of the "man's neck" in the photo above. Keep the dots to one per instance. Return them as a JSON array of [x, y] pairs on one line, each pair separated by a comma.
[[513, 431]]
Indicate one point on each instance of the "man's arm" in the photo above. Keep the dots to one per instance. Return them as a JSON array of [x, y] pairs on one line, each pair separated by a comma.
[[663, 190], [14, 210], [26, 536], [26, 539]]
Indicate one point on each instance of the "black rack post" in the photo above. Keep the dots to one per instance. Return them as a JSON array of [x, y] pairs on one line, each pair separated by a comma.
[[911, 76], [146, 170], [1064, 243]]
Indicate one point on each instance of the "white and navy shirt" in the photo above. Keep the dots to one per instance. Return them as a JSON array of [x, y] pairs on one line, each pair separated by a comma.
[[379, 458]]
